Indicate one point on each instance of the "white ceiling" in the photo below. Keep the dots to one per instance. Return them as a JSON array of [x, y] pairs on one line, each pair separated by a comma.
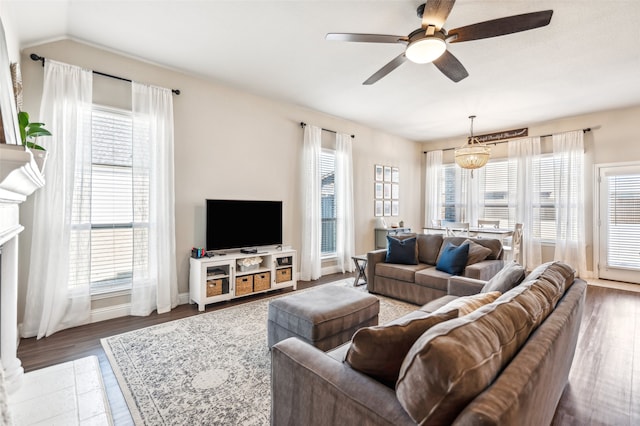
[[587, 59]]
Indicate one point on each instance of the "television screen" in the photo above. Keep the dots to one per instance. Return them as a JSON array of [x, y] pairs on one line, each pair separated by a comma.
[[233, 224]]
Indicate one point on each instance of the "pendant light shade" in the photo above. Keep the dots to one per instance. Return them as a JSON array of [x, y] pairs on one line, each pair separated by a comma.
[[474, 154]]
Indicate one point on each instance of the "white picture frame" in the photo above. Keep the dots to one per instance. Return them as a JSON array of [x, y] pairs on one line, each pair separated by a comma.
[[387, 191], [387, 208], [395, 191], [378, 190], [378, 208], [387, 173], [395, 207], [395, 175], [378, 172]]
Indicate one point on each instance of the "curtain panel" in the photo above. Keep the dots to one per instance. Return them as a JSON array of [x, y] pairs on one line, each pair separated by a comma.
[[432, 185], [568, 158], [345, 232], [310, 260], [524, 168], [154, 282], [58, 295]]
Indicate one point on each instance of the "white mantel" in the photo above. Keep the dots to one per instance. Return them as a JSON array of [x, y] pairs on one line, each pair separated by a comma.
[[19, 178]]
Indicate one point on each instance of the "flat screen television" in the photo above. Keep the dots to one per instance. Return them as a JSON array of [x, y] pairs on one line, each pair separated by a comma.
[[237, 224]]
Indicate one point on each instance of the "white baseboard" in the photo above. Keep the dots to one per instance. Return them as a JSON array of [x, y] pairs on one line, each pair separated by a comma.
[[124, 309]]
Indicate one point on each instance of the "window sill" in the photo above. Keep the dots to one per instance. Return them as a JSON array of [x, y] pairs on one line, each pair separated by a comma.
[[110, 292]]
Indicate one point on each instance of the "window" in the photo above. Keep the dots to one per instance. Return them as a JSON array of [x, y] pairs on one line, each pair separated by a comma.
[[110, 223], [328, 202], [498, 183]]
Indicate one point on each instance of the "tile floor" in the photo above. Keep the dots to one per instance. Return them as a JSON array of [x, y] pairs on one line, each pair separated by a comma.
[[65, 394]]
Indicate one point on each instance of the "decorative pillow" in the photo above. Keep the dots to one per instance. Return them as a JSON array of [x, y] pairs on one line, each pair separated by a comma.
[[507, 278], [379, 351], [453, 259], [402, 249], [452, 362], [467, 304], [477, 252], [555, 272]]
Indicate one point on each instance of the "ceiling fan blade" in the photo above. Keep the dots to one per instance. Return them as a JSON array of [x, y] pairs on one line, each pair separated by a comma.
[[435, 12], [367, 38], [450, 66], [395, 63], [501, 26]]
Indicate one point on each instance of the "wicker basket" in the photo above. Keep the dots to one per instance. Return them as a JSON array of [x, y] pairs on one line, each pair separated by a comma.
[[262, 281], [244, 285], [283, 275], [214, 287]]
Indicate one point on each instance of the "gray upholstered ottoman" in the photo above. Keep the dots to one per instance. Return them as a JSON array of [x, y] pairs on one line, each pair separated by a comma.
[[325, 317]]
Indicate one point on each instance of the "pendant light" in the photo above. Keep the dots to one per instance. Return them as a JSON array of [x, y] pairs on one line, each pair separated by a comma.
[[474, 154]]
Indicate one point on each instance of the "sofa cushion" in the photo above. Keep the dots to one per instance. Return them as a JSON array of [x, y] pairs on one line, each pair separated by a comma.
[[433, 278], [477, 252], [454, 361], [490, 243], [429, 247], [453, 259], [556, 272], [402, 250], [399, 272], [379, 351], [467, 364], [510, 276], [467, 304], [438, 303]]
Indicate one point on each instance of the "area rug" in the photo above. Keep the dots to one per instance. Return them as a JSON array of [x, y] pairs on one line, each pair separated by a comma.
[[212, 368]]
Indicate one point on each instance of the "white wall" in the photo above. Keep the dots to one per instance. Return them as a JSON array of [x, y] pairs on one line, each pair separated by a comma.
[[612, 139], [233, 144]]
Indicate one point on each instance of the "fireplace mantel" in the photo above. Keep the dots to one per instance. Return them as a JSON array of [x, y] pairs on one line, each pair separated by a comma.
[[19, 178]]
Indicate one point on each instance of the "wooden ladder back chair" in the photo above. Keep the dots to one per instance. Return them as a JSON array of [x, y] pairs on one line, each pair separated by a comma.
[[456, 229]]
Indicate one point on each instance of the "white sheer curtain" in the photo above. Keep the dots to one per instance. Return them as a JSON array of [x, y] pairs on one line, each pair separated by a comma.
[[568, 159], [432, 182], [154, 282], [57, 295], [469, 193], [345, 232], [310, 261], [524, 167]]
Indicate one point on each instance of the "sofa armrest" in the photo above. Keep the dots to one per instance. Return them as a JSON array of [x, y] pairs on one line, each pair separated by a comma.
[[308, 387], [484, 270], [464, 286], [373, 258]]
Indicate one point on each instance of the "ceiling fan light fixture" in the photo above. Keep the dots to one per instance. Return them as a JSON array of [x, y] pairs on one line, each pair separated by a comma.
[[474, 154], [425, 50]]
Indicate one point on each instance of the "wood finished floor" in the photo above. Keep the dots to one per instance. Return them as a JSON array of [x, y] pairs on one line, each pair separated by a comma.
[[604, 384]]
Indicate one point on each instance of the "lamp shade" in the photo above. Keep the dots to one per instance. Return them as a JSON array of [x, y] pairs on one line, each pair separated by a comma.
[[472, 156], [425, 50]]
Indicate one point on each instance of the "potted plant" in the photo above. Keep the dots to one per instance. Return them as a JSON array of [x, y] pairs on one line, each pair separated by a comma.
[[29, 133]]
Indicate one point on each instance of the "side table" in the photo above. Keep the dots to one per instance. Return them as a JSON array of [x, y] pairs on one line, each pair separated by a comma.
[[361, 268]]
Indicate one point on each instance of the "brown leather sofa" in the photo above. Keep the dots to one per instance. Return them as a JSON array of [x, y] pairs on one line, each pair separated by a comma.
[[422, 283], [521, 379]]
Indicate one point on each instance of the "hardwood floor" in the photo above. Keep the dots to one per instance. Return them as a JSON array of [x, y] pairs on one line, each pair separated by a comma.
[[604, 384]]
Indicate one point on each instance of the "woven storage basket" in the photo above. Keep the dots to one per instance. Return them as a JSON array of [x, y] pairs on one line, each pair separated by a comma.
[[283, 275], [214, 287], [244, 285], [262, 281]]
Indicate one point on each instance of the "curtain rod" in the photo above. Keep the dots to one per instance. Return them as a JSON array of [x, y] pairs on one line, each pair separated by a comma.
[[303, 124], [588, 129], [35, 57]]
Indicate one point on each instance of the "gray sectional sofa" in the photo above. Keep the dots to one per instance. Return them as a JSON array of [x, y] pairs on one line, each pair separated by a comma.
[[422, 283], [505, 363]]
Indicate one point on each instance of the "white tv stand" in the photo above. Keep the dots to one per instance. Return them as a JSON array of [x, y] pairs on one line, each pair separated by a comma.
[[219, 278]]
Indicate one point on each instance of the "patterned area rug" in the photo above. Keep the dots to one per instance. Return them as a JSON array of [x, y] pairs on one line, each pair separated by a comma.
[[212, 368]]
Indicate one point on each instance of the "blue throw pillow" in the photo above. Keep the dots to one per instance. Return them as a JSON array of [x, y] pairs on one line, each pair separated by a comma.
[[402, 250], [453, 259]]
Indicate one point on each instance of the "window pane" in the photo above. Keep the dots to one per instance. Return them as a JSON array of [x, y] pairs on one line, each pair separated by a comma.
[[328, 201], [624, 221]]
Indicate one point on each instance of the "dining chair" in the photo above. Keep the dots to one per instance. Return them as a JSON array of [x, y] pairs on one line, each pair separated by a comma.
[[456, 229], [488, 223], [514, 249], [436, 223]]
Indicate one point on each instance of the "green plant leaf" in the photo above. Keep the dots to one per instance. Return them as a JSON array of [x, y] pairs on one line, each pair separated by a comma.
[[32, 145]]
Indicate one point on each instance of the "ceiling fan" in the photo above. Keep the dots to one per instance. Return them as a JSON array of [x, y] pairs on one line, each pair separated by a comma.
[[429, 42]]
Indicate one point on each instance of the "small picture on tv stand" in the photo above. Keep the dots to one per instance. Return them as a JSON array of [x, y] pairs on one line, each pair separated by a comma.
[[243, 224]]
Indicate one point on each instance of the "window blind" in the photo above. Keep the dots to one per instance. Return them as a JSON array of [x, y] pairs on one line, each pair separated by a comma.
[[624, 221], [328, 201]]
